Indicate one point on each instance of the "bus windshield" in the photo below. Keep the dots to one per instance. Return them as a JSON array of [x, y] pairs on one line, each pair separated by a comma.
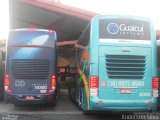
[[40, 38]]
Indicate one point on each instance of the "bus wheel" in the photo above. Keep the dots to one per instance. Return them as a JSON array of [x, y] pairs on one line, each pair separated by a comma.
[[87, 112], [17, 105], [53, 104], [54, 101], [80, 99]]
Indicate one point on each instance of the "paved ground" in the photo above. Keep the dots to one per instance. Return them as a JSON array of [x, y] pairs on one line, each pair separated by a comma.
[[64, 110]]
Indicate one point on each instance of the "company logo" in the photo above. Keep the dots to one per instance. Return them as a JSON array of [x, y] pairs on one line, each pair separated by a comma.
[[113, 28], [19, 83], [103, 84], [130, 28]]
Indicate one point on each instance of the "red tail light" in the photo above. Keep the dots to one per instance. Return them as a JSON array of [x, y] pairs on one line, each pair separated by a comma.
[[94, 82], [155, 86], [155, 83], [94, 86], [7, 84], [53, 84]]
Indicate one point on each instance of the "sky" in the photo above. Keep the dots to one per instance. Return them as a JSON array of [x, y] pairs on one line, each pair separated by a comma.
[[146, 8], [4, 19]]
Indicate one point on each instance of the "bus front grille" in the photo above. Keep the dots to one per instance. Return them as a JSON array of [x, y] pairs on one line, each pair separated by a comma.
[[30, 69], [125, 66]]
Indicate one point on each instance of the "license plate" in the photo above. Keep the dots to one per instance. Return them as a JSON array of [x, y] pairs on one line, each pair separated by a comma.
[[29, 97], [125, 91]]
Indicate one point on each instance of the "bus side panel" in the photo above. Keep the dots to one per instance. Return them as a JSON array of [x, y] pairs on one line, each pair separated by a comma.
[[82, 84]]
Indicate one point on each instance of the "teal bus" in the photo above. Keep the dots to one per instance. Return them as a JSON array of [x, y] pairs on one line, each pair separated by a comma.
[[117, 65], [158, 55]]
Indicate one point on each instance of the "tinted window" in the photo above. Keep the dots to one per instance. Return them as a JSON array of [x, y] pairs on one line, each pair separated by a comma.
[[27, 38], [124, 29], [84, 39]]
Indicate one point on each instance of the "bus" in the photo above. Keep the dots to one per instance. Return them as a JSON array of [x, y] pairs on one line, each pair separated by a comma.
[[117, 65], [158, 66], [31, 67]]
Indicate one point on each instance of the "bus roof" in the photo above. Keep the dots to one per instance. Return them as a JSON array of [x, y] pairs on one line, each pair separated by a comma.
[[32, 29], [122, 17]]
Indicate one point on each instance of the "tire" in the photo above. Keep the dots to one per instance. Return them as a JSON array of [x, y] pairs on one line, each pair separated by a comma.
[[17, 105], [54, 103], [87, 112]]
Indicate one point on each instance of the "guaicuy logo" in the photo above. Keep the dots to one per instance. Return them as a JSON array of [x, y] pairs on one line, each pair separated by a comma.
[[114, 28]]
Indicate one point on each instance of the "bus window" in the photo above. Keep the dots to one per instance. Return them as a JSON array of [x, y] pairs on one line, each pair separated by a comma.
[[84, 39]]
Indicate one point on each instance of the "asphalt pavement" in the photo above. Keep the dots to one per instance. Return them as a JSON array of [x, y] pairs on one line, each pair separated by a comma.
[[65, 109]]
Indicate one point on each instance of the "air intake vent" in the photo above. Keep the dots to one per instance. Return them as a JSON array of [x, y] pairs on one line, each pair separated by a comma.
[[125, 66], [30, 69]]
